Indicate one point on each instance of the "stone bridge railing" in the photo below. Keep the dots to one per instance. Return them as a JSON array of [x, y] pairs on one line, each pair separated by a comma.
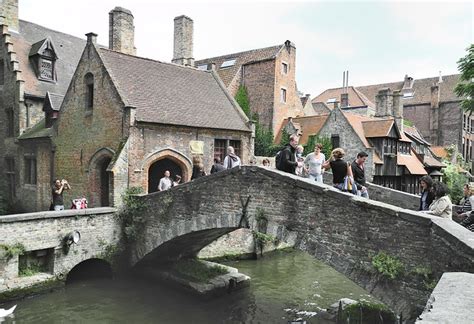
[[337, 228], [42, 234]]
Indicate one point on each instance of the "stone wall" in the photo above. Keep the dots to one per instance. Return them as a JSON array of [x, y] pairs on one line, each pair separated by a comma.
[[337, 228], [82, 133], [99, 231]]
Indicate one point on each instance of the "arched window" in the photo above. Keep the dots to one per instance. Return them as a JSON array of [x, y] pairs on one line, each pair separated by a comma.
[[89, 91]]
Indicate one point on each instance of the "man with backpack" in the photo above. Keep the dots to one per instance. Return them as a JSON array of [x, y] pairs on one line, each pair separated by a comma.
[[286, 158]]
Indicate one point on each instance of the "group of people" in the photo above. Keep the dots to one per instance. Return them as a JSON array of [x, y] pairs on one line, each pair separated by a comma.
[[434, 200], [231, 160], [346, 176]]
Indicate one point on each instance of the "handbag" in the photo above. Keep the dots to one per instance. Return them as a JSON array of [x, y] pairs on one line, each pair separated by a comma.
[[349, 184]]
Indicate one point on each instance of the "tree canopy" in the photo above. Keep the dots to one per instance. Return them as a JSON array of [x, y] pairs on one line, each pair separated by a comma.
[[465, 88]]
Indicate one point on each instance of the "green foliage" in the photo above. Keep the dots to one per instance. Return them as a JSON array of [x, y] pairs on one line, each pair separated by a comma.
[[264, 140], [285, 137], [110, 252], [13, 250], [30, 270], [131, 214], [426, 275], [323, 140], [243, 100], [367, 312], [387, 265], [407, 122], [454, 180], [198, 271], [261, 219], [465, 87]]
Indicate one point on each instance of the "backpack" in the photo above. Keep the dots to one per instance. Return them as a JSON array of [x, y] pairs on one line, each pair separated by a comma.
[[278, 163]]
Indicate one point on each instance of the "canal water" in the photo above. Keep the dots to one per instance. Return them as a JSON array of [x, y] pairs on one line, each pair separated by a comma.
[[285, 286]]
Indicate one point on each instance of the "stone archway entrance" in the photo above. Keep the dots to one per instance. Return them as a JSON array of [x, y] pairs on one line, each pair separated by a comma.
[[100, 179], [157, 170]]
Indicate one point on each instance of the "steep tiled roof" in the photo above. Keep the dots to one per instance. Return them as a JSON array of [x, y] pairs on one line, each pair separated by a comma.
[[167, 93], [356, 98], [227, 74], [356, 122], [421, 89], [68, 49], [55, 100], [377, 128], [411, 162], [432, 162], [309, 125], [414, 134], [439, 151]]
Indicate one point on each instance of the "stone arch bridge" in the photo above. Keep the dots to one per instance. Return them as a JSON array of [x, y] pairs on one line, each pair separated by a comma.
[[339, 229]]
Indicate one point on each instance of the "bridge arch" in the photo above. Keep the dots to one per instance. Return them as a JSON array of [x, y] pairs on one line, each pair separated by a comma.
[[100, 178], [157, 162], [89, 269], [342, 230]]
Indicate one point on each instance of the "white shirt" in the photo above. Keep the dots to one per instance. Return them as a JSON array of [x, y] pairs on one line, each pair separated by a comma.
[[233, 163], [314, 163], [165, 184]]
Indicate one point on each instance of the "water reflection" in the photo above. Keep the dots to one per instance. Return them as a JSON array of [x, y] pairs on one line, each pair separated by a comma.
[[284, 287]]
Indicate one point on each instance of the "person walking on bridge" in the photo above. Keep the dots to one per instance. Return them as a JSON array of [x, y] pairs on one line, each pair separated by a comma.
[[165, 182], [358, 170], [231, 160], [288, 161]]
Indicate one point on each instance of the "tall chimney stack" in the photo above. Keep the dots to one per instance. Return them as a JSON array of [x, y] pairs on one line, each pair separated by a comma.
[[9, 14], [122, 31], [183, 41], [398, 109], [383, 103]]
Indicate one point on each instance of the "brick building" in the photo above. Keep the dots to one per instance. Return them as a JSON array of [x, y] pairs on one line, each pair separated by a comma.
[[109, 131], [430, 104], [268, 74], [394, 160], [34, 61]]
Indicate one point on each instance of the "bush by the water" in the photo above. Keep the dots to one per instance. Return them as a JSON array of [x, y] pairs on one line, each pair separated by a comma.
[[366, 312]]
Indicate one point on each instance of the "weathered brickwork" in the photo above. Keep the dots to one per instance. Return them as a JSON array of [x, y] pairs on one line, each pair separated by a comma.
[[450, 123], [292, 107], [98, 228], [82, 133], [259, 79], [337, 228], [9, 11], [121, 31]]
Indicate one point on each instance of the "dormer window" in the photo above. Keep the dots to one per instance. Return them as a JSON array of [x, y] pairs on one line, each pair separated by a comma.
[[44, 59]]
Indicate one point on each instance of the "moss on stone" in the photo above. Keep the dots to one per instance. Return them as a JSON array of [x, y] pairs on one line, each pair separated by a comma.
[[17, 293], [367, 312]]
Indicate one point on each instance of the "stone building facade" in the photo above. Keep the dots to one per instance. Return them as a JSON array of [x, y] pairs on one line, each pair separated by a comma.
[[90, 147], [115, 139], [34, 61], [430, 104], [268, 74]]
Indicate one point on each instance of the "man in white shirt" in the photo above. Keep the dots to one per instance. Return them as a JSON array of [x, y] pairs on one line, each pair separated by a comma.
[[165, 182], [231, 160]]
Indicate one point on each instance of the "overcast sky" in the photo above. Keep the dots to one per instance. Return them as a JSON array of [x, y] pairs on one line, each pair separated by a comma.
[[376, 41]]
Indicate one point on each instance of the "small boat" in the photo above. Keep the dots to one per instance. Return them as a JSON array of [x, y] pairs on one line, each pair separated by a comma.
[[6, 312]]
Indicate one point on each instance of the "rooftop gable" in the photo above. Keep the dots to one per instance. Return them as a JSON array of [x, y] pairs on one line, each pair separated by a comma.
[[172, 94]]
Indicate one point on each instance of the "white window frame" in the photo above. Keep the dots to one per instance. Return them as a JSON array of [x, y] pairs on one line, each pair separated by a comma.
[[283, 99]]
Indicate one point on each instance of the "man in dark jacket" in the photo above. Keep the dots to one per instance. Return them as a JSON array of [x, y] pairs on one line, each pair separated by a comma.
[[288, 158], [358, 170], [217, 166]]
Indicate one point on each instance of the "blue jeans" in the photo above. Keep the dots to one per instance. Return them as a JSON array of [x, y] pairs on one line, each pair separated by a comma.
[[316, 177]]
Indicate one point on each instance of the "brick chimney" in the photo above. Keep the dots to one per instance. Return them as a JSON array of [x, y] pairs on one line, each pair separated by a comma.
[[183, 41], [91, 38], [344, 100], [383, 103], [398, 109], [9, 11], [122, 31]]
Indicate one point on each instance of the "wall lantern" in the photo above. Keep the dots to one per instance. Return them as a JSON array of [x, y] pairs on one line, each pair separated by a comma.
[[73, 237]]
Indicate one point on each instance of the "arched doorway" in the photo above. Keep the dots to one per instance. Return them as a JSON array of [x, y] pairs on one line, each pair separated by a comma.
[[104, 182], [157, 170], [100, 179]]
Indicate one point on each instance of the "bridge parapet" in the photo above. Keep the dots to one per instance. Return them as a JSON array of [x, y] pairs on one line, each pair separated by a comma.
[[337, 228]]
